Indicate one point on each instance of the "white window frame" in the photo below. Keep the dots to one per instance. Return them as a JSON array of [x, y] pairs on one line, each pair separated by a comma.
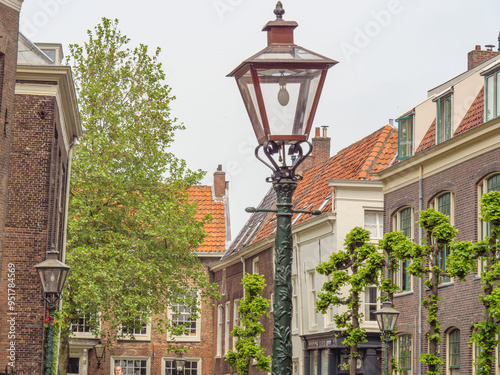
[[136, 336], [495, 83], [378, 226], [312, 295], [220, 313], [223, 286], [190, 337], [227, 326], [366, 304], [84, 335], [133, 358], [440, 117], [295, 304], [164, 360], [255, 265], [236, 318]]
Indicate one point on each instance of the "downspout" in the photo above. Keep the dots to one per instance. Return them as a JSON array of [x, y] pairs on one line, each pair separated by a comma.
[[420, 208]]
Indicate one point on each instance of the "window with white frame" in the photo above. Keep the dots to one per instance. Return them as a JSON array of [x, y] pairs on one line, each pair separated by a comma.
[[405, 137], [295, 304], [183, 315], [492, 96], [81, 326], [374, 223], [311, 283], [191, 367], [402, 352], [137, 328], [371, 303], [453, 352], [403, 221], [444, 203], [255, 265], [444, 117], [227, 327], [220, 313], [132, 365], [223, 286], [271, 308], [236, 318]]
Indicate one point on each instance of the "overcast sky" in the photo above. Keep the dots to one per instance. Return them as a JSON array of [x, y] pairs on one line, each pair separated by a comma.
[[390, 53]]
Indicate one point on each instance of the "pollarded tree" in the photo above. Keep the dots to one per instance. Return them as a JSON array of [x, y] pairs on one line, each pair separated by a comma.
[[251, 310], [131, 231], [425, 263], [464, 259], [353, 269]]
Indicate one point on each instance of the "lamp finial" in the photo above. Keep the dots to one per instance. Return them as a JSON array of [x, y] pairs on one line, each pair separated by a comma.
[[279, 11]]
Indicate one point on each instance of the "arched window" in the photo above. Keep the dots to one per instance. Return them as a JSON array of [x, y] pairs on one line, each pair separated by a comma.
[[453, 352], [402, 352]]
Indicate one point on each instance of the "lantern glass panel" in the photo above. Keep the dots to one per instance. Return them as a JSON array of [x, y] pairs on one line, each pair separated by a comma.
[[247, 90], [288, 95]]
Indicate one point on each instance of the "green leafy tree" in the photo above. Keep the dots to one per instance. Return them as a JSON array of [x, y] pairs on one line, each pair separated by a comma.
[[463, 260], [131, 231], [353, 269], [251, 310], [425, 263]]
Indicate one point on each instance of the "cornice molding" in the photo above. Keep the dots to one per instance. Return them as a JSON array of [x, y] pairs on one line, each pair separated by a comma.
[[457, 150], [63, 89], [14, 4]]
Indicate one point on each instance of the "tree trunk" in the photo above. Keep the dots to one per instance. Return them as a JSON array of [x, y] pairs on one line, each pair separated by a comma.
[[63, 352]]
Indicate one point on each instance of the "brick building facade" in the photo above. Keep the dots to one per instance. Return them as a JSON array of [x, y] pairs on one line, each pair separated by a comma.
[[456, 134], [39, 123]]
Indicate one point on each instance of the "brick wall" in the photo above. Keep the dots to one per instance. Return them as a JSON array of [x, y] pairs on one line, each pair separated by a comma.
[[31, 189], [234, 290], [460, 305], [158, 345]]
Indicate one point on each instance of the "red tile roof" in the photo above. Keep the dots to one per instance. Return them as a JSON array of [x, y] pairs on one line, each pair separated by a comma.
[[429, 139], [355, 162], [474, 116], [216, 228]]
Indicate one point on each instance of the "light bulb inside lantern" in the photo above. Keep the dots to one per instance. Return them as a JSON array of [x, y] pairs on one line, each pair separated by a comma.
[[283, 95]]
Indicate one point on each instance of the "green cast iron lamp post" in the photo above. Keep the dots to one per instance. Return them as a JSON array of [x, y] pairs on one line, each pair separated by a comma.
[[53, 276], [281, 86], [387, 317]]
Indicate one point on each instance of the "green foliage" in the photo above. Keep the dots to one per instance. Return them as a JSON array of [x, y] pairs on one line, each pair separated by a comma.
[[353, 269], [251, 310], [131, 230]]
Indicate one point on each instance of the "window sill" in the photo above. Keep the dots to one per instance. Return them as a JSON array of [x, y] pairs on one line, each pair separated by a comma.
[[402, 294]]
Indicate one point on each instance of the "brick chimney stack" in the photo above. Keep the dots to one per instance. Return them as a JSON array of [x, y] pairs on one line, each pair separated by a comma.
[[478, 56], [321, 146], [220, 184], [320, 153]]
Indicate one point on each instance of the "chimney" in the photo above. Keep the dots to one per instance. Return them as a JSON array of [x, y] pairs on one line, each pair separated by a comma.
[[220, 184], [321, 146], [478, 56]]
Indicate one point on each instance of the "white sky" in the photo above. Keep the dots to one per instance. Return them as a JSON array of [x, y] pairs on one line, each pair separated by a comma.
[[390, 53]]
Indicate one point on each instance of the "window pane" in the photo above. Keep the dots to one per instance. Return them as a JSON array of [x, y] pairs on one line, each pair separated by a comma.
[[370, 303], [494, 183], [454, 349], [405, 137], [405, 222], [73, 365], [490, 97], [374, 223], [444, 204], [405, 352], [497, 94]]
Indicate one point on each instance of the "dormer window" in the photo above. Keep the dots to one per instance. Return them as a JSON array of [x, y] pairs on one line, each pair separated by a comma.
[[492, 100], [444, 118], [405, 137]]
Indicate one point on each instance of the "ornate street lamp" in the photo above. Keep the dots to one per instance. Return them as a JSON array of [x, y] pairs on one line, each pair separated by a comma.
[[281, 86], [100, 353], [387, 317], [53, 276], [180, 364]]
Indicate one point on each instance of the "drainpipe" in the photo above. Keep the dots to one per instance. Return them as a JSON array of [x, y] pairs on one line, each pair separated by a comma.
[[420, 208]]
